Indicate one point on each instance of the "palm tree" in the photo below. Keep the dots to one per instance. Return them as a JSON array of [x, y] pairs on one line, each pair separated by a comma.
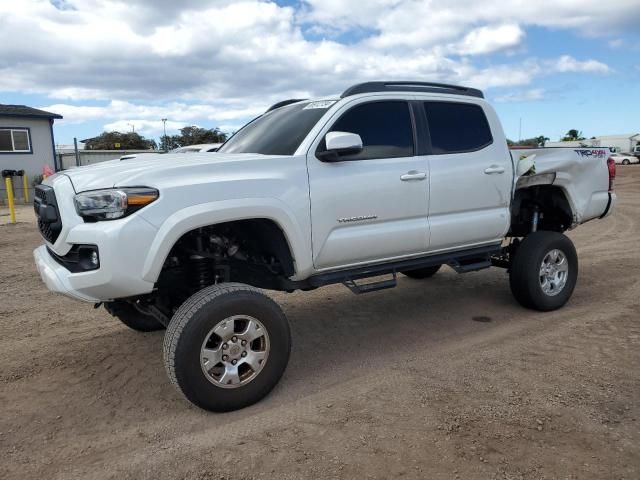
[[573, 135]]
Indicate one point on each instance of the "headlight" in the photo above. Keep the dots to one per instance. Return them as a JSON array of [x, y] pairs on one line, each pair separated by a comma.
[[113, 203]]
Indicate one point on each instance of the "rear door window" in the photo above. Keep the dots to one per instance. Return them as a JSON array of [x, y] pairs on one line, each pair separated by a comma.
[[457, 127]]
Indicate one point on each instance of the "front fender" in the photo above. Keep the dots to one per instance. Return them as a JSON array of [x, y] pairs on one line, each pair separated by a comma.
[[204, 214]]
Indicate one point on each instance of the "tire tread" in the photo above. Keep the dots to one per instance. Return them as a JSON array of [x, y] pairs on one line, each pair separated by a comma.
[[527, 259], [185, 312]]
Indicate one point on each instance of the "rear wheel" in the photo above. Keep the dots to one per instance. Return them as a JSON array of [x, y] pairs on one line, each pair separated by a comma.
[[625, 162], [226, 347], [544, 271], [421, 273], [132, 318]]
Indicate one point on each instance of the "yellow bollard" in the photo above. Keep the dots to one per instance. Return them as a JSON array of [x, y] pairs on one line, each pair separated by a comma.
[[12, 208], [25, 188]]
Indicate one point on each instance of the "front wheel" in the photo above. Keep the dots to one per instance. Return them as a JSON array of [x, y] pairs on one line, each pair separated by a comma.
[[544, 271], [226, 347], [626, 162]]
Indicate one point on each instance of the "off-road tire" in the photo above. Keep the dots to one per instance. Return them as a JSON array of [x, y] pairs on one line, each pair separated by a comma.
[[132, 318], [525, 277], [190, 326], [421, 273]]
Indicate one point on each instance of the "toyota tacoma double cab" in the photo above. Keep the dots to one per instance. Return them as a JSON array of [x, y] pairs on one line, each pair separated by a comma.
[[388, 178]]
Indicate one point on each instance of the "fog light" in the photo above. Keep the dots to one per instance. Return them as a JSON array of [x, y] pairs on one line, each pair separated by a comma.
[[88, 257]]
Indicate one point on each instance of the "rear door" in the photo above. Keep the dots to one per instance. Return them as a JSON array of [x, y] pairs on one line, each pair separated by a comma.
[[371, 206], [471, 175]]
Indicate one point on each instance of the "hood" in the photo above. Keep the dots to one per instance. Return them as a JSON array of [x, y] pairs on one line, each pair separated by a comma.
[[153, 170]]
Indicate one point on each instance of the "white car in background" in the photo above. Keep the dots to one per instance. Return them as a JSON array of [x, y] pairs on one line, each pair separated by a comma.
[[203, 147], [623, 159]]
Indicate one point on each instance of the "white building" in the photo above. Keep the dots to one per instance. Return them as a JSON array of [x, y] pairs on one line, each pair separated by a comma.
[[619, 143]]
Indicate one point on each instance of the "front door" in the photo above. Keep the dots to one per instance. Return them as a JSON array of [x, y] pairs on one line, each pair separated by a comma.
[[373, 205]]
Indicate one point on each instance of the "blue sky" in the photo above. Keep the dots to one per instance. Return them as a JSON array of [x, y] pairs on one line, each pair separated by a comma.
[[595, 104], [111, 65]]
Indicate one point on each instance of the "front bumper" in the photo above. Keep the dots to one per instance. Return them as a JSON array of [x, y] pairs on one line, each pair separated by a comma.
[[56, 277], [123, 246]]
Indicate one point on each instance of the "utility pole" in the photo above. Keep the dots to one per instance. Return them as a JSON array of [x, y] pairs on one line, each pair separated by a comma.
[[520, 130], [164, 129], [133, 127], [75, 150]]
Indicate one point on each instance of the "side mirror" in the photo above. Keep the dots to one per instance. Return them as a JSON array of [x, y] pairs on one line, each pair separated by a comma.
[[339, 144]]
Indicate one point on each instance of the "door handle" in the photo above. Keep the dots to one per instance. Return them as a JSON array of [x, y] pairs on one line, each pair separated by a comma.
[[413, 175], [494, 169]]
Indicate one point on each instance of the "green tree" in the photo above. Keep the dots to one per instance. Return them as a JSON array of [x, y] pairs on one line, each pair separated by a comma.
[[168, 142], [538, 141], [192, 135], [119, 141], [572, 135], [542, 140]]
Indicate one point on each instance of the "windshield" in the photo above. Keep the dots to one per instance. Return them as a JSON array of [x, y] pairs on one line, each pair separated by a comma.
[[279, 132]]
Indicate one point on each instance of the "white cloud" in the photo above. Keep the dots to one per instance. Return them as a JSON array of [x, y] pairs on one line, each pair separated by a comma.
[[394, 16], [567, 63], [147, 119], [224, 60], [490, 39], [531, 95], [616, 43], [144, 127], [206, 50]]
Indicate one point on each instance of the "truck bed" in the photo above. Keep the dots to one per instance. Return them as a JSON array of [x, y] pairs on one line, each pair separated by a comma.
[[582, 173]]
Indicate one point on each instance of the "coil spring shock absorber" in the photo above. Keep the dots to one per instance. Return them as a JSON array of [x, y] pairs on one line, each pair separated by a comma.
[[202, 271]]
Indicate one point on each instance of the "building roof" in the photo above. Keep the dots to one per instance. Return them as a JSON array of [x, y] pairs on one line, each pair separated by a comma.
[[623, 136], [24, 111]]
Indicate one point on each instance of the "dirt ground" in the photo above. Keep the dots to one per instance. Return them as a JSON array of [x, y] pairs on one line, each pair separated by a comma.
[[443, 378], [24, 213]]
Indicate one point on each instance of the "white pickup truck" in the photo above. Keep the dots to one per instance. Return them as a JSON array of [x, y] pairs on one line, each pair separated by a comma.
[[388, 178]]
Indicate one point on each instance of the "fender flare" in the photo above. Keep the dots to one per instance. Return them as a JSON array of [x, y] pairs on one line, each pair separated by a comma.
[[205, 214]]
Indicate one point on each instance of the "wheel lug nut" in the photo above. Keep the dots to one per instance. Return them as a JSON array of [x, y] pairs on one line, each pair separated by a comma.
[[234, 339], [225, 357], [225, 346], [234, 361], [244, 354], [243, 342]]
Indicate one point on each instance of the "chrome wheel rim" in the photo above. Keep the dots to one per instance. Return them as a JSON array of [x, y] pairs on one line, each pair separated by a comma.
[[554, 271], [235, 351]]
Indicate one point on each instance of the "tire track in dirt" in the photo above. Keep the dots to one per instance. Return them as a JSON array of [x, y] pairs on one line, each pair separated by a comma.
[[549, 344]]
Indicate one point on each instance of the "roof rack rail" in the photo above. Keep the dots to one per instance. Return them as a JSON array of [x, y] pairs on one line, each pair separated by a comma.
[[284, 103], [370, 87]]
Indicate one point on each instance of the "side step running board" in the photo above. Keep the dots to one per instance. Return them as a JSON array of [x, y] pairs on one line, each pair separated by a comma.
[[461, 261], [470, 266], [372, 286]]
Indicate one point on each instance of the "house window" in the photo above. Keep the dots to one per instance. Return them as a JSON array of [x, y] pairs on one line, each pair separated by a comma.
[[15, 140]]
